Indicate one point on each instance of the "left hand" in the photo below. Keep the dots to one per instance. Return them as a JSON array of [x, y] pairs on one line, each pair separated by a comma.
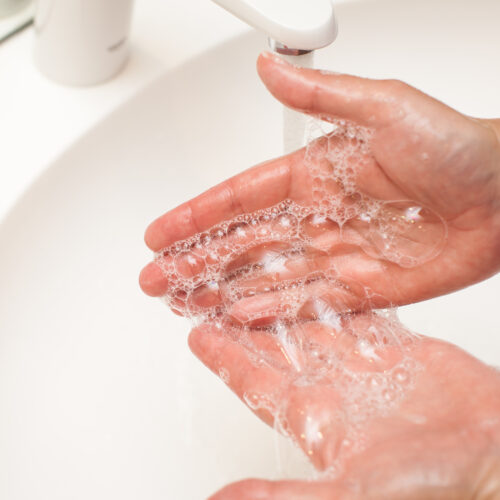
[[417, 419]]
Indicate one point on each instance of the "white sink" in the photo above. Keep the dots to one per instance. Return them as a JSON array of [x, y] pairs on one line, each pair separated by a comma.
[[99, 395]]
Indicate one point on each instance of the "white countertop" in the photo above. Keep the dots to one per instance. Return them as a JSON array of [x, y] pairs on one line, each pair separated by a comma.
[[40, 119]]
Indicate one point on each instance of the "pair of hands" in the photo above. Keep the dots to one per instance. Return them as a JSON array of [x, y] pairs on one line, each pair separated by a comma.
[[443, 439]]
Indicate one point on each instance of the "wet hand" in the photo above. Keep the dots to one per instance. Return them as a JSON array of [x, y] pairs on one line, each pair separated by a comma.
[[406, 418], [432, 170]]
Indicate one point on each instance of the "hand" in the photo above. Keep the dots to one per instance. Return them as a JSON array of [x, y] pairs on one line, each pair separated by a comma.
[[446, 163], [415, 419], [430, 179]]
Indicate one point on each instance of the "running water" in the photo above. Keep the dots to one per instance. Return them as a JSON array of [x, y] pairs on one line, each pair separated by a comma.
[[295, 123], [279, 281]]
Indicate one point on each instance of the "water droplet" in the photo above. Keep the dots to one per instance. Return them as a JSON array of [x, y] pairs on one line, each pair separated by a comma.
[[401, 376]]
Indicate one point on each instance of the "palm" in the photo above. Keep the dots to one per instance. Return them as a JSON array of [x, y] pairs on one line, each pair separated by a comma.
[[354, 416]]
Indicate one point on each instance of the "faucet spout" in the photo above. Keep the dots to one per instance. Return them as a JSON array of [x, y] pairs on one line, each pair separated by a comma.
[[294, 26]]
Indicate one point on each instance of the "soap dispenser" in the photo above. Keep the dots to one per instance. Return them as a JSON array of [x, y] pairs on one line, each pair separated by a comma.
[[82, 42]]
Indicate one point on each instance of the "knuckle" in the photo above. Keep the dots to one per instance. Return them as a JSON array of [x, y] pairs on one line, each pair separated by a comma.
[[395, 86]]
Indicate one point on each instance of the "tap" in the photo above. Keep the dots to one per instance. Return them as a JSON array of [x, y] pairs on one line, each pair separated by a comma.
[[294, 27]]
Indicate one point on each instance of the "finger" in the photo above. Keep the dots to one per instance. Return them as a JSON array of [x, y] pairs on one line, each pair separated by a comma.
[[218, 244], [260, 269], [239, 244], [256, 489], [255, 383], [355, 489], [264, 245], [364, 101], [322, 299], [265, 308], [152, 280], [235, 196]]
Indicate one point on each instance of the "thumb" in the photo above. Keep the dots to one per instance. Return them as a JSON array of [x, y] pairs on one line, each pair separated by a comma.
[[256, 489], [361, 100]]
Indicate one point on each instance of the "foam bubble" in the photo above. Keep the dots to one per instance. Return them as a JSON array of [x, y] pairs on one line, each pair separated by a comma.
[[283, 257], [224, 375]]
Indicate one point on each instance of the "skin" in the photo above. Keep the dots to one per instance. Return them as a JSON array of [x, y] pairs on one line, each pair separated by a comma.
[[421, 150]]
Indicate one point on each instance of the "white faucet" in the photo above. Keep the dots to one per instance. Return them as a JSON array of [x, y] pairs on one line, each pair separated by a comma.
[[296, 28]]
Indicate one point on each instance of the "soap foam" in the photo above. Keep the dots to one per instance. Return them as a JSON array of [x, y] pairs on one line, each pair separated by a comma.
[[324, 346]]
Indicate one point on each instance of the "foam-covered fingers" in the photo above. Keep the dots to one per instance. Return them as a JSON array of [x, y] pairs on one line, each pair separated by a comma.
[[364, 101], [153, 278], [233, 197], [256, 489], [266, 264], [322, 300], [263, 244], [155, 284], [194, 261], [254, 383]]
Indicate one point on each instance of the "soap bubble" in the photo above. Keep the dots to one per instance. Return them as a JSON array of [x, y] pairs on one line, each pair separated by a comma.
[[407, 233], [285, 259]]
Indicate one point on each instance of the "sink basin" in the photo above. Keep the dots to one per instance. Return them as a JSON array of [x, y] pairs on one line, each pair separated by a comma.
[[99, 395]]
